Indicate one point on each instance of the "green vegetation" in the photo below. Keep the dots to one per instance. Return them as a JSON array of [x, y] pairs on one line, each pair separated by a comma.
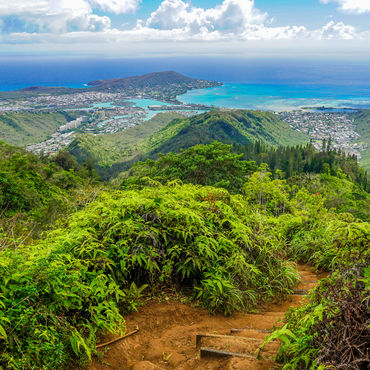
[[229, 127], [203, 222], [163, 134], [35, 192], [216, 165], [212, 164], [30, 128], [296, 160], [332, 329], [59, 293], [115, 152], [362, 121], [331, 173]]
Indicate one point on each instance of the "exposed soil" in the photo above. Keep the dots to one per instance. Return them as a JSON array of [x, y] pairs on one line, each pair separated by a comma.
[[167, 335]]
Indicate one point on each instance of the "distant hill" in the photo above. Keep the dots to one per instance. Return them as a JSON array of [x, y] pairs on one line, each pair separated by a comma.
[[170, 84], [115, 153], [123, 146], [149, 80]]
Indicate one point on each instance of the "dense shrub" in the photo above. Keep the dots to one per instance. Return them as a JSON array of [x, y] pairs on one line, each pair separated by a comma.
[[212, 165], [58, 294]]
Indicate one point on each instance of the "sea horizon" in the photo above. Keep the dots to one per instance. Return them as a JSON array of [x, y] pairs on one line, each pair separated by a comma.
[[250, 84]]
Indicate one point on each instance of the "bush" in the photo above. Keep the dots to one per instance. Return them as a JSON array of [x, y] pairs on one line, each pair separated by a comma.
[[212, 165], [60, 293]]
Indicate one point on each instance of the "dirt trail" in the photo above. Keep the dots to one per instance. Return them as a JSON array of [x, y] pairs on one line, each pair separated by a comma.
[[168, 332]]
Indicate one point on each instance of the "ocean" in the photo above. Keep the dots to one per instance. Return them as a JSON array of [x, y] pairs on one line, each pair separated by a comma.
[[253, 83]]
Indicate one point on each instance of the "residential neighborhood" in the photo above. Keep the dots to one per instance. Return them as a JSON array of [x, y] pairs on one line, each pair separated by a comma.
[[339, 127]]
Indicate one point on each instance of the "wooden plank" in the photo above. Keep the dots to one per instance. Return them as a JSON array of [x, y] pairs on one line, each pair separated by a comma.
[[199, 337], [210, 352]]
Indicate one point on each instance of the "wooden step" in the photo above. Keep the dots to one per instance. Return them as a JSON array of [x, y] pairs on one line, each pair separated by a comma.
[[210, 352], [244, 342], [199, 337]]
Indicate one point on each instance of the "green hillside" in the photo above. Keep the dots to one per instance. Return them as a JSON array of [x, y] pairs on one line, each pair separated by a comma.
[[230, 127], [34, 191], [105, 150], [30, 128], [362, 121], [165, 134]]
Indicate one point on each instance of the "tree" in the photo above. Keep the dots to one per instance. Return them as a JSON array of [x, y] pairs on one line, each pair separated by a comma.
[[212, 165]]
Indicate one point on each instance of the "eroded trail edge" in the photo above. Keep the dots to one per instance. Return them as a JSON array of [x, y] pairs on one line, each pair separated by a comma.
[[177, 336]]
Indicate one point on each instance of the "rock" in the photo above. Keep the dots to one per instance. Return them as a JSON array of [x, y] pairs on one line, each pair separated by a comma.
[[155, 350], [176, 359], [145, 365]]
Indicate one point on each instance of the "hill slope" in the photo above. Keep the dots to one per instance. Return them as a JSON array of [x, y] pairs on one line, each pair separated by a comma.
[[230, 127], [120, 150], [148, 80], [30, 128], [105, 150]]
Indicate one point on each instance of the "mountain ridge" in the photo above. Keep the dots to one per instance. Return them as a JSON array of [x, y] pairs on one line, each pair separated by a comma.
[[228, 126], [146, 80]]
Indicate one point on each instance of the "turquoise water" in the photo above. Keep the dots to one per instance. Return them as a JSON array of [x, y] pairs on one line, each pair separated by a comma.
[[280, 97], [145, 103], [142, 103], [102, 105]]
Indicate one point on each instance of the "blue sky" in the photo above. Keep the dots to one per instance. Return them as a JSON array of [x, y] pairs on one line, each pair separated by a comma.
[[250, 28], [309, 12]]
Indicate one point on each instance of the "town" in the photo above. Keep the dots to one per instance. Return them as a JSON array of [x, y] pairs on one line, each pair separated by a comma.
[[339, 127]]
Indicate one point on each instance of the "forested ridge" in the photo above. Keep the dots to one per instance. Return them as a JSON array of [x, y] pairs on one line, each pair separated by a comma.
[[221, 225], [166, 133]]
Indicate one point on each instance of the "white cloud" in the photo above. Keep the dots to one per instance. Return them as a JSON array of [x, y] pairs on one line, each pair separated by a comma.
[[351, 6], [231, 16], [59, 16], [116, 6], [231, 22], [339, 31]]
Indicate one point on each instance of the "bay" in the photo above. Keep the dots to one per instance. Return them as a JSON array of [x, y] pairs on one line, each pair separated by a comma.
[[280, 97]]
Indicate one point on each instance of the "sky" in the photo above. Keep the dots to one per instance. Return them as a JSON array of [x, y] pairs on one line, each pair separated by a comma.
[[136, 28]]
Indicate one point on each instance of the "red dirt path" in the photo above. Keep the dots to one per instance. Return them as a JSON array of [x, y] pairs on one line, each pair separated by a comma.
[[166, 337]]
